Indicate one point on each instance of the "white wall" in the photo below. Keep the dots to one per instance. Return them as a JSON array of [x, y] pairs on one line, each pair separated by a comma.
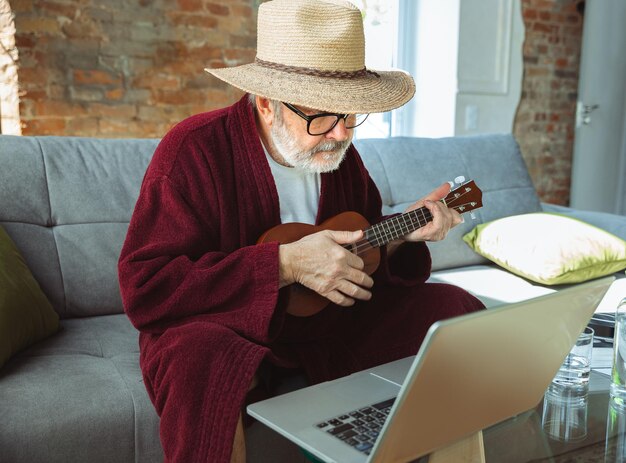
[[490, 66]]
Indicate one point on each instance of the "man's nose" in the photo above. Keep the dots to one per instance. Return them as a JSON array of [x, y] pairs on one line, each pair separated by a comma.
[[339, 131]]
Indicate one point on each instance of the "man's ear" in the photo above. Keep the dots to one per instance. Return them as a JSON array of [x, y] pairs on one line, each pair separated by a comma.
[[265, 109]]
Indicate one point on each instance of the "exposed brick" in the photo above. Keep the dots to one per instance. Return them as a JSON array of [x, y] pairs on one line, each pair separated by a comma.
[[144, 33], [95, 77], [37, 25], [243, 41], [29, 74], [544, 123], [561, 62], [58, 9], [236, 56], [545, 16], [243, 11], [98, 13], [216, 9], [566, 73], [56, 92], [22, 6], [82, 126], [193, 20], [199, 54], [533, 71], [114, 94], [46, 107], [186, 96], [543, 27], [86, 94], [50, 126], [190, 5], [25, 40], [113, 127], [160, 81], [119, 111]]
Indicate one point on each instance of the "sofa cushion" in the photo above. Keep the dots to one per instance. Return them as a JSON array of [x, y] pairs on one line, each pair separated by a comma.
[[549, 248], [26, 315], [79, 396], [70, 221], [406, 169]]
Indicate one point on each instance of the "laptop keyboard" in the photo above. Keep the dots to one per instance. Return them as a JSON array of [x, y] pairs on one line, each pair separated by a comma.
[[359, 428]]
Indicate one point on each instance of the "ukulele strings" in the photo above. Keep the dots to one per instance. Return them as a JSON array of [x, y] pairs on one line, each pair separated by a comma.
[[383, 237]]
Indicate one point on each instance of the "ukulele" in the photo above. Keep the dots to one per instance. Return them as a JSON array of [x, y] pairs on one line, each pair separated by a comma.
[[304, 302]]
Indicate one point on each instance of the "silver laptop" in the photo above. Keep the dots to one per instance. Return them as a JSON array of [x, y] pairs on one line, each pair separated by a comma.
[[471, 372]]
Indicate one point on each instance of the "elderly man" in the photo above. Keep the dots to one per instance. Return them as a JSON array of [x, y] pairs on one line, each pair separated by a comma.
[[209, 300]]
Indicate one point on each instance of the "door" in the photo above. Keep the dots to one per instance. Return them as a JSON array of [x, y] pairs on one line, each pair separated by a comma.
[[599, 164]]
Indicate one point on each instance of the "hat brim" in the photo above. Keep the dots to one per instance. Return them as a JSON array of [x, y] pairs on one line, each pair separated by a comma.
[[358, 95]]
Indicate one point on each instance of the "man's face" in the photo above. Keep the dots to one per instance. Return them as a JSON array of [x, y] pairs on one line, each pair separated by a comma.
[[318, 154]]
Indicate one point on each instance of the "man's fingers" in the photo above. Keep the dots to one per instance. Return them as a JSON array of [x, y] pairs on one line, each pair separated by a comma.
[[354, 261], [346, 293], [360, 278], [458, 218], [339, 298], [442, 220], [344, 237], [353, 291], [438, 193]]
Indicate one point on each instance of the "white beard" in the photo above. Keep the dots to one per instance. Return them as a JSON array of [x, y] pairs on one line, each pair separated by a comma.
[[287, 146]]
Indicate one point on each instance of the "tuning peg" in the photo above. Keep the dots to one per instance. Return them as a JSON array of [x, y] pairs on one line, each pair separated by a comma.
[[472, 215], [451, 183], [460, 179]]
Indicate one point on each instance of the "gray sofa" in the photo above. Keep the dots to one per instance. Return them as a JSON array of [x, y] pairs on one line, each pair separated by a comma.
[[78, 396]]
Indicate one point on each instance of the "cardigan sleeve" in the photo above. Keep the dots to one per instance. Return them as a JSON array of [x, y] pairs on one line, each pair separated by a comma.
[[169, 270]]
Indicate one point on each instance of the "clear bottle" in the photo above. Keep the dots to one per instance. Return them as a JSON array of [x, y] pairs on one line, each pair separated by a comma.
[[618, 375]]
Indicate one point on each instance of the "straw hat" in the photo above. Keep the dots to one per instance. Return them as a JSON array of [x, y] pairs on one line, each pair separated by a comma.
[[312, 53]]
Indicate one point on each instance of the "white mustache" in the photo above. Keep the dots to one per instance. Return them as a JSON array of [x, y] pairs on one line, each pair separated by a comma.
[[331, 146]]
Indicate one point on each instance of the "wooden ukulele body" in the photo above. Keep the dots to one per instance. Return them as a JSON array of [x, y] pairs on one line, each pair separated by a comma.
[[302, 301]]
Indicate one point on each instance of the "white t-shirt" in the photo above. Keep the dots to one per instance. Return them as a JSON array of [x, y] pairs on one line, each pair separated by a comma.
[[298, 192]]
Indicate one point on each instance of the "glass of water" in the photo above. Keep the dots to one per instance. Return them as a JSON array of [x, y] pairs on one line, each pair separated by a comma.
[[564, 416], [575, 369], [618, 375]]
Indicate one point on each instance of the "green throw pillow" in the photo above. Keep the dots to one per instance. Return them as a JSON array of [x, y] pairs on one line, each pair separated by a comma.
[[26, 315], [549, 248]]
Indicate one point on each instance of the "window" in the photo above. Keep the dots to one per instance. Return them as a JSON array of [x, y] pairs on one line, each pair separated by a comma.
[[380, 26], [421, 37]]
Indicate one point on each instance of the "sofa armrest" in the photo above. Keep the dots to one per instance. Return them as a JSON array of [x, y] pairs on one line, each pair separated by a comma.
[[612, 223]]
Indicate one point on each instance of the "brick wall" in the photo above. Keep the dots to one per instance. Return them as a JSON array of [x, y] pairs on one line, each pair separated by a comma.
[[120, 68], [545, 120]]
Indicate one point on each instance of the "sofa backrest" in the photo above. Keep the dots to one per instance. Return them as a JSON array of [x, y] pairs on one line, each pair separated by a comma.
[[66, 202], [406, 169]]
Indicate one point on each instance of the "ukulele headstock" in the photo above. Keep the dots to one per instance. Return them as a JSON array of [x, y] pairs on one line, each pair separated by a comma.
[[467, 197]]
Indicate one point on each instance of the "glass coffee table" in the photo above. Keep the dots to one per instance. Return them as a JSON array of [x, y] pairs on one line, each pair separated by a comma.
[[569, 425]]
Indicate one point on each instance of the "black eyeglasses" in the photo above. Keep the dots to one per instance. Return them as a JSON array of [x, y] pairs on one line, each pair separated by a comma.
[[322, 123]]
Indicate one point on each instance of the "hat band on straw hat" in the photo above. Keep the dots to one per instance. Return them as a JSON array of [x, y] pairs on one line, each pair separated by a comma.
[[312, 53], [316, 72]]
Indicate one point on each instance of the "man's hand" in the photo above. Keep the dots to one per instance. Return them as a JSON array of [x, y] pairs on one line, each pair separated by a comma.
[[443, 218], [318, 262]]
